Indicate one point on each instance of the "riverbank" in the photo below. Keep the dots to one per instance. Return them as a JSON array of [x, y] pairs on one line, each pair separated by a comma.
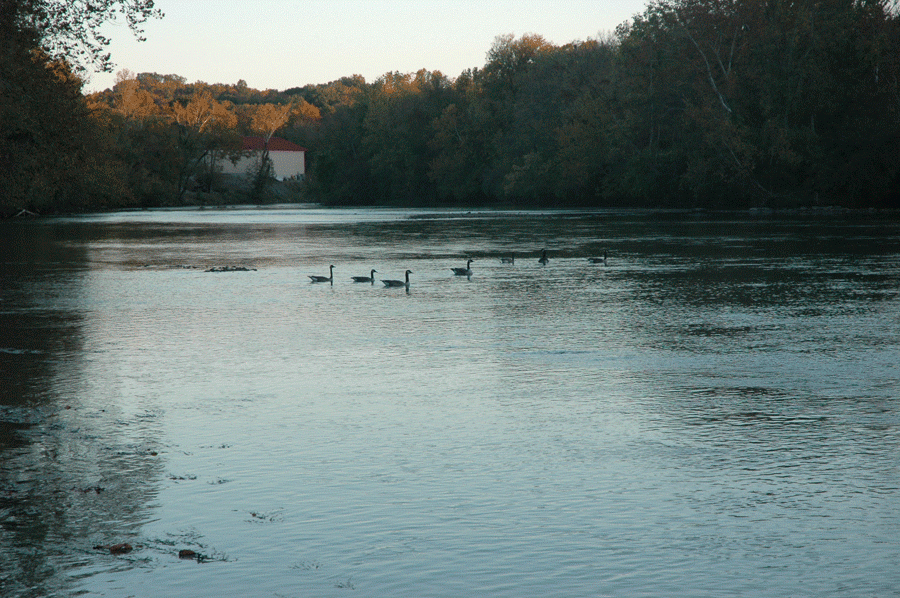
[[233, 192]]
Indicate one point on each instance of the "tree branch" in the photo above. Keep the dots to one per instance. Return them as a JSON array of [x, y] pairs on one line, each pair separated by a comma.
[[712, 80]]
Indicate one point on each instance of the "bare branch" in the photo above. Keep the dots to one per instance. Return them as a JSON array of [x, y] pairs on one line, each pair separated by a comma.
[[712, 80]]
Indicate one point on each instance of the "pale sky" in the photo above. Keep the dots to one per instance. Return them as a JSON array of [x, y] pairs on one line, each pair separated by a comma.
[[279, 44]]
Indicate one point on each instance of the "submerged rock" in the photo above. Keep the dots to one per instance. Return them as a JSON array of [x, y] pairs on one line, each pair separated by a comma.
[[187, 553], [121, 548]]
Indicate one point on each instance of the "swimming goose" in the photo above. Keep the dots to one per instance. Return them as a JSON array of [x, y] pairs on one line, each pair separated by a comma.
[[398, 283], [543, 259], [369, 278], [467, 271], [598, 260], [508, 260], [328, 278]]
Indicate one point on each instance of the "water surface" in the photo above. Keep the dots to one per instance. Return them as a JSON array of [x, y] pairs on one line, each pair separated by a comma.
[[713, 412]]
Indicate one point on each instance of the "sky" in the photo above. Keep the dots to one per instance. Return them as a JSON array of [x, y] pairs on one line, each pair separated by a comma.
[[279, 44]]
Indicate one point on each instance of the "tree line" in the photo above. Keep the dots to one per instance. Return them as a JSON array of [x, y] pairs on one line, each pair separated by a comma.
[[693, 103]]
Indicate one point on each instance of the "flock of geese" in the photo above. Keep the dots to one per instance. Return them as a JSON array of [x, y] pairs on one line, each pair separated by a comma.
[[460, 271]]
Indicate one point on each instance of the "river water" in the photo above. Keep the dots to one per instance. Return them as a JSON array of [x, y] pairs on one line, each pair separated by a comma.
[[715, 411]]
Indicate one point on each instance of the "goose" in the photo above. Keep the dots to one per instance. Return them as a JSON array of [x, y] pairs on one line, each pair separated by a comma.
[[467, 271], [328, 278], [398, 283], [544, 260], [598, 260], [369, 278], [508, 260]]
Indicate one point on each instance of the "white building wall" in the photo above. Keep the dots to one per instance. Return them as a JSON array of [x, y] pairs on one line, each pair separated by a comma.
[[288, 164], [284, 164]]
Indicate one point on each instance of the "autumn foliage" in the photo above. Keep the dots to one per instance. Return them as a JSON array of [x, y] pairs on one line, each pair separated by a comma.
[[693, 103]]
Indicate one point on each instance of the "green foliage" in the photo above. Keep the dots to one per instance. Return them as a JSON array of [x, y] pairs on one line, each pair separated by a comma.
[[396, 133], [55, 152], [751, 103], [70, 31], [339, 172], [53, 156]]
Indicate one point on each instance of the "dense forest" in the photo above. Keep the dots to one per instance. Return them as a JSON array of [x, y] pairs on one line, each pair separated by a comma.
[[693, 103]]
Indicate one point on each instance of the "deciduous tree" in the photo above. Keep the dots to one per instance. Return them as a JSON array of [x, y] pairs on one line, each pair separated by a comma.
[[203, 125], [70, 31]]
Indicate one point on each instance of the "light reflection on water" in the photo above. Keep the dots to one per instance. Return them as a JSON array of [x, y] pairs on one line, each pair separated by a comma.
[[712, 412]]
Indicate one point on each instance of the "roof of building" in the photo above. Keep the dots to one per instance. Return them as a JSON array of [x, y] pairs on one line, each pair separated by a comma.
[[276, 144]]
